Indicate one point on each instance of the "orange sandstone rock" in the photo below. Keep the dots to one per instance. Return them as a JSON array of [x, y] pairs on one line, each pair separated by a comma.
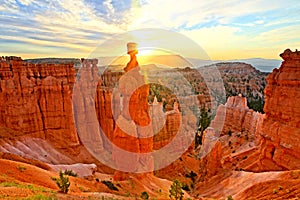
[[133, 131], [281, 127], [36, 99]]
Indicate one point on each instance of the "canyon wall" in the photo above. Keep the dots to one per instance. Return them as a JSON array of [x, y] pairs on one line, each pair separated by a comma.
[[36, 100], [258, 142], [281, 127]]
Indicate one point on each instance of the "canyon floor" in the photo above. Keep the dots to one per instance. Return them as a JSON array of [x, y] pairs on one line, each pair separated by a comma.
[[19, 180]]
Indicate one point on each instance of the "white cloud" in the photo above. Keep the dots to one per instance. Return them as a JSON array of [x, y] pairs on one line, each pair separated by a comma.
[[189, 13], [26, 2], [47, 43], [109, 6], [9, 6], [213, 24], [58, 23], [283, 34], [76, 14]]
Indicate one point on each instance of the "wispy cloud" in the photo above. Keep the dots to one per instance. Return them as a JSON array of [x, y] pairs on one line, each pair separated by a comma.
[[27, 2], [190, 13], [280, 35], [8, 6], [80, 25]]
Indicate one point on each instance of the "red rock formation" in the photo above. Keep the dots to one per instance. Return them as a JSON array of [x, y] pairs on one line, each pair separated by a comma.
[[168, 132], [281, 127], [133, 131], [36, 100], [165, 126], [232, 135], [255, 142], [235, 116], [84, 106], [211, 155]]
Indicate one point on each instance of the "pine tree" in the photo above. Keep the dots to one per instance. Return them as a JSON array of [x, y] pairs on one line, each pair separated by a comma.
[[62, 182], [176, 190]]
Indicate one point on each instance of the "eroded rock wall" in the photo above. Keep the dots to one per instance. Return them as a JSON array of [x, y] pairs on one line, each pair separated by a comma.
[[235, 116], [281, 127], [36, 100], [266, 142]]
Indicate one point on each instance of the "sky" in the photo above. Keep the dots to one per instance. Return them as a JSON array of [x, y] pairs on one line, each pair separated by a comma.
[[232, 29]]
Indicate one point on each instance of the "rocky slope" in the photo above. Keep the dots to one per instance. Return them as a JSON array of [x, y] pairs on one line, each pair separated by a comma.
[[232, 163], [17, 182]]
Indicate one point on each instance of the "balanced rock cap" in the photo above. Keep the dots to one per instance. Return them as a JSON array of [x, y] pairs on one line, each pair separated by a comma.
[[131, 46]]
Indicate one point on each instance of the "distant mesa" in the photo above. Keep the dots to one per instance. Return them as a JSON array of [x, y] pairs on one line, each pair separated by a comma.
[[76, 61]]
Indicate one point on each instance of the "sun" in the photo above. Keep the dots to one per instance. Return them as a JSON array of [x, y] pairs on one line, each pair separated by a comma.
[[145, 52]]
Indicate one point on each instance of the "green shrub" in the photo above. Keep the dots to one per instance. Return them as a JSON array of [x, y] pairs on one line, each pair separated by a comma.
[[192, 186], [185, 187], [176, 190], [144, 195], [191, 175], [202, 122], [62, 182], [257, 105], [41, 197], [229, 197], [22, 168], [70, 173], [229, 132], [110, 185], [32, 188]]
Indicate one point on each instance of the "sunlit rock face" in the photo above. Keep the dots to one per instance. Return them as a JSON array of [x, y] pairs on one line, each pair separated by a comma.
[[281, 127], [238, 117], [133, 130], [225, 141], [36, 100], [276, 134]]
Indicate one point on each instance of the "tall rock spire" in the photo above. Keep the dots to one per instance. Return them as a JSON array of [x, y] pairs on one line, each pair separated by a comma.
[[133, 134], [132, 51]]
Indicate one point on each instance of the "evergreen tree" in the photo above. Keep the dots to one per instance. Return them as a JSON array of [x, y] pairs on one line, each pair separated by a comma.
[[176, 190], [62, 182]]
